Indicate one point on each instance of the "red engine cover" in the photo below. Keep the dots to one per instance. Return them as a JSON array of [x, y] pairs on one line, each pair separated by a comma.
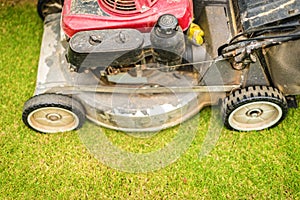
[[84, 15]]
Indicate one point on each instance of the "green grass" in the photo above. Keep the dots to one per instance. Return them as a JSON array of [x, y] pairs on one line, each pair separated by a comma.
[[252, 165]]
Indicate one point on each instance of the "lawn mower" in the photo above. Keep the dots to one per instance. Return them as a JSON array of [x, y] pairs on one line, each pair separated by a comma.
[[147, 65]]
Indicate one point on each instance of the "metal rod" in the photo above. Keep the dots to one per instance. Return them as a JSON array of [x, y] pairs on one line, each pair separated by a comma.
[[155, 89]]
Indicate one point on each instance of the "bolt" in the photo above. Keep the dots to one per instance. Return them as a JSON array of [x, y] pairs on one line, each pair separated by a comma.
[[95, 39], [122, 37]]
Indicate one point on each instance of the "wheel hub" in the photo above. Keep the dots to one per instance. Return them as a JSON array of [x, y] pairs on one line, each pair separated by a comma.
[[53, 117], [254, 113]]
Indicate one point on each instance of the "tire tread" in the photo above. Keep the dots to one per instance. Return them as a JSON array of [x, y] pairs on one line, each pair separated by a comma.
[[252, 94]]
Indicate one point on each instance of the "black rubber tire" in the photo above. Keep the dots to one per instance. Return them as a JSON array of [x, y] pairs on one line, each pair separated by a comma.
[[47, 7], [53, 107], [253, 104]]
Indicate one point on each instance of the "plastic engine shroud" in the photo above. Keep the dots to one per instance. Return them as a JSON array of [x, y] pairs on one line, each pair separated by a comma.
[[85, 15]]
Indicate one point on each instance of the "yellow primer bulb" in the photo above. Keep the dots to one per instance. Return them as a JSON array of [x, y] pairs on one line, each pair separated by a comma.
[[196, 33]]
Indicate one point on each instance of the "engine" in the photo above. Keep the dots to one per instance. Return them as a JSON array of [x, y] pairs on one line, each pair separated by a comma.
[[119, 35]]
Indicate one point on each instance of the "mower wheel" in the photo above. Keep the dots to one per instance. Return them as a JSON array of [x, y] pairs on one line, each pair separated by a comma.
[[254, 108], [47, 7], [52, 113]]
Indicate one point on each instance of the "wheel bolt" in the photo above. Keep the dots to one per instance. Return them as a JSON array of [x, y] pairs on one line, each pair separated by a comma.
[[254, 113], [53, 117]]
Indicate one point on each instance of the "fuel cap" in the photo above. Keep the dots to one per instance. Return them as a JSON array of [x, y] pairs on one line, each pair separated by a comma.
[[167, 24]]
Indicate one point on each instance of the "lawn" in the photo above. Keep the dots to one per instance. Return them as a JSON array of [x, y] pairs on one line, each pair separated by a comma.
[[218, 163]]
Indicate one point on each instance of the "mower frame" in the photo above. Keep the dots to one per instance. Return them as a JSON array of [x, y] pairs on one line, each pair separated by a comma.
[[220, 82]]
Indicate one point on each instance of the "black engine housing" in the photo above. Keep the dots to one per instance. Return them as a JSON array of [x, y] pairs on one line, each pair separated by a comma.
[[123, 47]]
